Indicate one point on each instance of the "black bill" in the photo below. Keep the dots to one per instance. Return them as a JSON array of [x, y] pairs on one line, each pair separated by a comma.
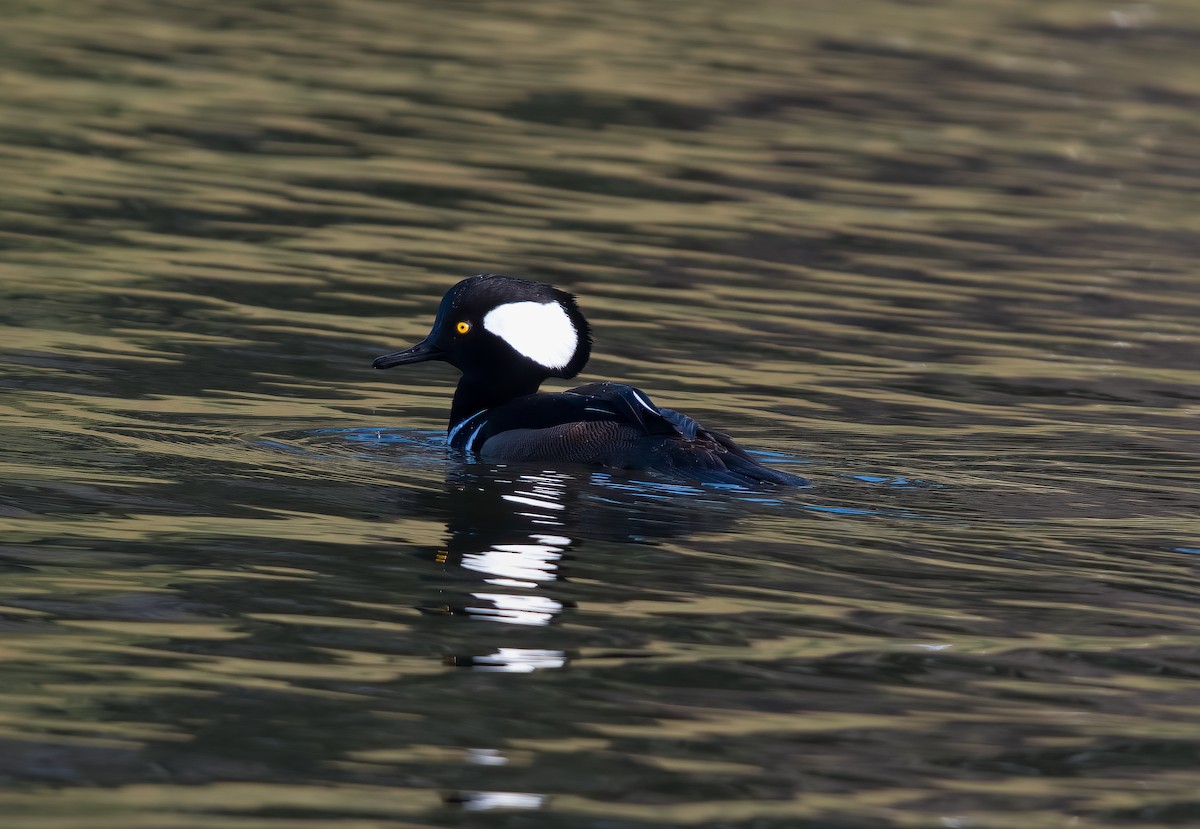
[[419, 353]]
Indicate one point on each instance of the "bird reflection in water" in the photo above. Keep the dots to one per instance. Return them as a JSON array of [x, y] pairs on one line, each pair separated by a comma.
[[510, 531]]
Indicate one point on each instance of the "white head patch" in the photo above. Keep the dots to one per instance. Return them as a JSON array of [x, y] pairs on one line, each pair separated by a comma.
[[541, 331]]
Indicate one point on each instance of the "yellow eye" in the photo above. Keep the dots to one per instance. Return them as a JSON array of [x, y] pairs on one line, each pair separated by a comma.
[[463, 327]]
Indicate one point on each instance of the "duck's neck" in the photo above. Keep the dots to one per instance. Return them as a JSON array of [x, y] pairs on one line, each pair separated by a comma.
[[480, 391]]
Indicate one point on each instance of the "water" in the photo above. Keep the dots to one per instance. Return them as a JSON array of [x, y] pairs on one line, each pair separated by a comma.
[[938, 258]]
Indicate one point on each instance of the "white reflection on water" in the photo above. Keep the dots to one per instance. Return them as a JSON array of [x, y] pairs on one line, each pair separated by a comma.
[[519, 660], [516, 609], [486, 757], [483, 801], [516, 565], [533, 502], [524, 558]]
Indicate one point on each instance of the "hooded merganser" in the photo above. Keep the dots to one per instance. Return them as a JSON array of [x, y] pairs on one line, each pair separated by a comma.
[[506, 336]]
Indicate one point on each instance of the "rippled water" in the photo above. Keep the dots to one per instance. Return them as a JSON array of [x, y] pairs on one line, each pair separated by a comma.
[[939, 258]]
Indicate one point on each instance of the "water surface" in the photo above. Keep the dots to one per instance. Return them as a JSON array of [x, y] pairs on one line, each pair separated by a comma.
[[939, 258]]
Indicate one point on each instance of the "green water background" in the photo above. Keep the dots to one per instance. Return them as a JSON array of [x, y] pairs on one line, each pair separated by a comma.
[[940, 257]]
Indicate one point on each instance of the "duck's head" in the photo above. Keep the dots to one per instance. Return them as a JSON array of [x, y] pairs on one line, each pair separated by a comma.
[[491, 324]]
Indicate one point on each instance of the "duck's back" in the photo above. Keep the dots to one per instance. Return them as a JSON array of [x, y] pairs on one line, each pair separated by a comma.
[[612, 425]]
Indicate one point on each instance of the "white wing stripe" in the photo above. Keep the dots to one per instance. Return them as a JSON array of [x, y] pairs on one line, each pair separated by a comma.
[[458, 426], [471, 440], [645, 403]]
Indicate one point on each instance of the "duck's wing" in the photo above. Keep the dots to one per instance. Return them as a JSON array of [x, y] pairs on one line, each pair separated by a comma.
[[612, 424], [689, 449], [634, 407]]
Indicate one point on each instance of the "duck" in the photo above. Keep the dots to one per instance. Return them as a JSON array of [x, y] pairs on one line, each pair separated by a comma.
[[507, 336]]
